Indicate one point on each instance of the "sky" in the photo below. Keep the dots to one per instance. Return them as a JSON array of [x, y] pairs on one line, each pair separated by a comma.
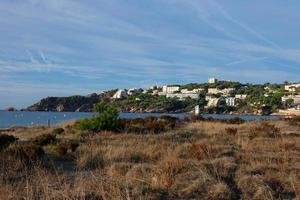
[[77, 47]]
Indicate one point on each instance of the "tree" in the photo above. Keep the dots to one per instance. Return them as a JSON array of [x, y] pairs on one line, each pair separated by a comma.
[[105, 118]]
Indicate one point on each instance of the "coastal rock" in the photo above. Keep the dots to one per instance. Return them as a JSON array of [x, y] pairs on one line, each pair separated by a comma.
[[66, 104], [11, 109]]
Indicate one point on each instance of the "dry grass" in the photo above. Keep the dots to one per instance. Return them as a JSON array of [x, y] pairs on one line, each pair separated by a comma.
[[199, 160]]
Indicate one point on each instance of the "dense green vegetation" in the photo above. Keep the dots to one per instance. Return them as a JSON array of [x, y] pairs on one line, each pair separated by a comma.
[[141, 102], [266, 97], [261, 98], [105, 118]]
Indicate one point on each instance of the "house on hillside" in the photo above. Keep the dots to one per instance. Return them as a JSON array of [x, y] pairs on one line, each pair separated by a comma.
[[220, 91], [120, 94], [194, 91], [213, 102], [183, 96], [230, 101], [133, 91], [241, 96], [295, 98], [292, 87], [170, 89]]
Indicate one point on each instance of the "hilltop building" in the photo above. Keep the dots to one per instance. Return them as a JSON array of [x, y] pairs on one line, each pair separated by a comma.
[[212, 80]]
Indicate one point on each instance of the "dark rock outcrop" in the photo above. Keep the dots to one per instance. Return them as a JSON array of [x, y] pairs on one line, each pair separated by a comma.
[[10, 109], [66, 104]]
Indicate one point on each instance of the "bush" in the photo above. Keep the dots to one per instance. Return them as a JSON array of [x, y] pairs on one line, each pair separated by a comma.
[[149, 124], [58, 131], [73, 146], [231, 131], [295, 121], [264, 130], [6, 140], [105, 118], [90, 161], [26, 153], [43, 140], [62, 149]]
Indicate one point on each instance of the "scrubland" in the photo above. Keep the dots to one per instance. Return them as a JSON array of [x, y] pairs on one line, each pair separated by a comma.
[[189, 160]]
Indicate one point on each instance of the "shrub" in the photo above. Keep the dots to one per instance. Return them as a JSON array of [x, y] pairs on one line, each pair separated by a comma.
[[105, 118], [43, 140], [195, 118], [295, 121], [62, 149], [27, 152], [73, 146], [58, 131], [6, 140], [149, 124], [90, 161], [231, 131], [235, 120], [264, 130]]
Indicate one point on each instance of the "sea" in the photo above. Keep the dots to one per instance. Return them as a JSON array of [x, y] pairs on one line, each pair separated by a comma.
[[27, 119]]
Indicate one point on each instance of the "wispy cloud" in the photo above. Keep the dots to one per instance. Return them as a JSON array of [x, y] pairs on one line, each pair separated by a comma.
[[106, 44]]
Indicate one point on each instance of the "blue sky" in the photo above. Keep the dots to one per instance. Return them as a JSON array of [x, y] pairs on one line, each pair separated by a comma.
[[66, 47]]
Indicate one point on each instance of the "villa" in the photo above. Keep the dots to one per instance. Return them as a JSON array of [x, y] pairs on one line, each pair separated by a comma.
[[292, 87], [218, 91], [230, 101], [194, 91], [241, 96], [120, 94], [183, 96], [133, 91], [295, 98], [170, 89], [213, 102]]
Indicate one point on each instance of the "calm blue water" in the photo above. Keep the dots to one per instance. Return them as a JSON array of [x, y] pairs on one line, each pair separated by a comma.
[[10, 119]]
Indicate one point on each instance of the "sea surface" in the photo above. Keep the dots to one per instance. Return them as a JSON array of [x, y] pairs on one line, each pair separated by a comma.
[[14, 119]]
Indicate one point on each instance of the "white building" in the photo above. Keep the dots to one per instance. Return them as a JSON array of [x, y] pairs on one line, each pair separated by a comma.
[[241, 96], [183, 96], [218, 91], [230, 101], [207, 98], [292, 87], [170, 89], [212, 80], [134, 91], [120, 94], [213, 102], [194, 91], [295, 98]]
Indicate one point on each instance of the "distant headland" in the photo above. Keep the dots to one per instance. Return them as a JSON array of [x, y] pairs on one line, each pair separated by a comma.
[[214, 96]]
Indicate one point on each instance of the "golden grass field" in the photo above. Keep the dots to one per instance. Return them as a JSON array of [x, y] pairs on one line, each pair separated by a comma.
[[197, 160]]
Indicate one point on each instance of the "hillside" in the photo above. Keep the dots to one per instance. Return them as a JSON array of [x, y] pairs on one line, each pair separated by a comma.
[[218, 97], [66, 104]]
